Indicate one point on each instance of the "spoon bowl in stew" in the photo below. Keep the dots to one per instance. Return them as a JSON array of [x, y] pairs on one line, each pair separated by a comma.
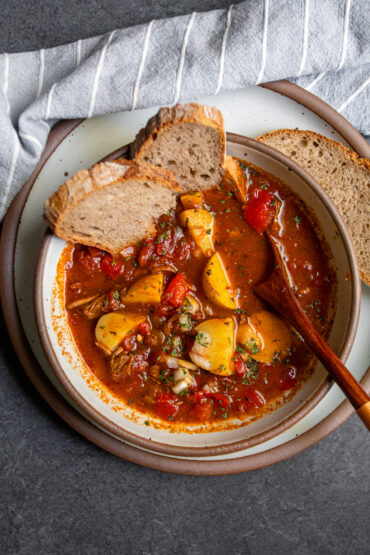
[[78, 369]]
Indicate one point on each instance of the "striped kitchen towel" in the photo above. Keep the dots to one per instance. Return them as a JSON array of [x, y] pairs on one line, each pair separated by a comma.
[[322, 45]]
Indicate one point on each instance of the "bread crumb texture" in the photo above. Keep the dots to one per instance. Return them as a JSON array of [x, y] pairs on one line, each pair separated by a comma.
[[187, 139], [343, 175], [111, 205]]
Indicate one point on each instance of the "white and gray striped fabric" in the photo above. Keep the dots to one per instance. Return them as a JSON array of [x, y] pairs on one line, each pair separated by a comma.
[[322, 45]]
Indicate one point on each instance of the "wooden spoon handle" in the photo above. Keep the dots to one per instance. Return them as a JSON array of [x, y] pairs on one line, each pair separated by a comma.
[[343, 377], [364, 413], [276, 290]]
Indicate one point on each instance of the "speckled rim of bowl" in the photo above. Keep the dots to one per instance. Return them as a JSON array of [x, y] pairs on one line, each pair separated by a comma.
[[77, 421], [161, 447]]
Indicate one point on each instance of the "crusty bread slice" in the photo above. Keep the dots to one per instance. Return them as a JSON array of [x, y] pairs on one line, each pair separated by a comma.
[[234, 174], [112, 205], [343, 175], [187, 139]]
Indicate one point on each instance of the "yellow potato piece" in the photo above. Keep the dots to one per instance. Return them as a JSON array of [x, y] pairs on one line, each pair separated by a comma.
[[113, 327], [147, 290], [199, 223], [192, 200], [265, 336], [214, 346], [216, 283]]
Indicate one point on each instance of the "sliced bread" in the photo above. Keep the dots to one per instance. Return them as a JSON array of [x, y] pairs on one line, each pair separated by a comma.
[[187, 139], [343, 175], [112, 205]]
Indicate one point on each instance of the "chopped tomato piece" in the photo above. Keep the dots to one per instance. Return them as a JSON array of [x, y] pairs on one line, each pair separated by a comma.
[[218, 398], [114, 299], [111, 267], [144, 328], [166, 405], [258, 212], [240, 366], [253, 399], [176, 291], [129, 342], [198, 396], [202, 411], [89, 263], [288, 379], [146, 253]]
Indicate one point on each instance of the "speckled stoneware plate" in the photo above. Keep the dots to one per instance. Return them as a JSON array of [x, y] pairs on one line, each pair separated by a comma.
[[73, 145], [102, 407]]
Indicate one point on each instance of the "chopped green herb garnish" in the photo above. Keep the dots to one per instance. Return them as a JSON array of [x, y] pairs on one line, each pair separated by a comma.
[[202, 339], [297, 220], [253, 346]]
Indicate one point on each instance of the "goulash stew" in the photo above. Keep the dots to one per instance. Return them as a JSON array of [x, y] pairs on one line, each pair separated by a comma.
[[173, 327]]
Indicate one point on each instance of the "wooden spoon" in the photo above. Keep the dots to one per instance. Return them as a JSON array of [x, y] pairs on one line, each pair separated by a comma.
[[277, 291]]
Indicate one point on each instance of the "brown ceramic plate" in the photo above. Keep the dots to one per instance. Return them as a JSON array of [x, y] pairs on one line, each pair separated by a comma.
[[78, 422], [97, 402]]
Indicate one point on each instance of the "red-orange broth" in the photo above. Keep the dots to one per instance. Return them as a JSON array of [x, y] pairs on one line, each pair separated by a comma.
[[141, 377]]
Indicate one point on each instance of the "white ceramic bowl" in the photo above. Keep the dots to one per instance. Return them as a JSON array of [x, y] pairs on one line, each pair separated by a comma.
[[99, 405]]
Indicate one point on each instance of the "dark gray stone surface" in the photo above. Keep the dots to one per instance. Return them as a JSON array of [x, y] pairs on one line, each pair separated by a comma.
[[29, 25], [59, 494]]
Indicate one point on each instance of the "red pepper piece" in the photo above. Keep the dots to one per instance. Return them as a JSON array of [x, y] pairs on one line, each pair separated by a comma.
[[240, 366], [144, 328], [287, 379], [253, 399], [111, 267], [219, 398], [166, 405], [258, 212], [176, 291], [114, 300]]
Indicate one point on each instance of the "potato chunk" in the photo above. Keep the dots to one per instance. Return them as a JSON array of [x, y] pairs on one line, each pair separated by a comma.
[[192, 200], [216, 283], [147, 290], [265, 336], [199, 223], [113, 327], [214, 346]]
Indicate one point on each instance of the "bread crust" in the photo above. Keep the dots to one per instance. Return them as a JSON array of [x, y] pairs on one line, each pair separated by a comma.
[[354, 157], [101, 175], [180, 113], [298, 132]]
